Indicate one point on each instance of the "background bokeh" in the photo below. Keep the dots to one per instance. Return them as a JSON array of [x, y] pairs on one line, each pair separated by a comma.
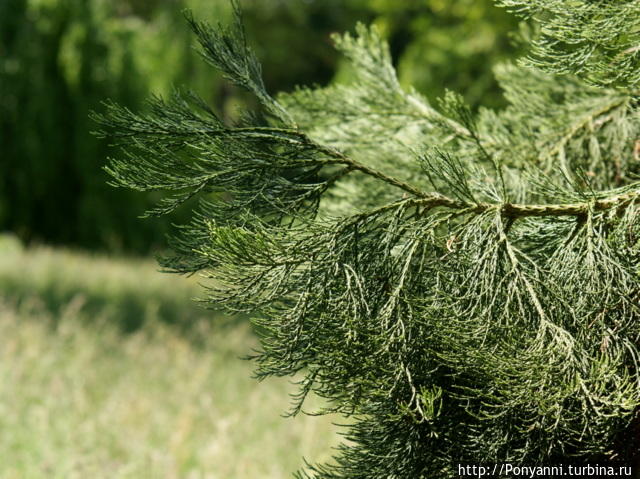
[[107, 367]]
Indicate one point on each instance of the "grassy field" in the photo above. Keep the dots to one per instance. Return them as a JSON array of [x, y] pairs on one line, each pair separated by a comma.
[[89, 390]]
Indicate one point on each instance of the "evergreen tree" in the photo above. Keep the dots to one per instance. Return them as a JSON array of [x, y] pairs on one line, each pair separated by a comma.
[[465, 288]]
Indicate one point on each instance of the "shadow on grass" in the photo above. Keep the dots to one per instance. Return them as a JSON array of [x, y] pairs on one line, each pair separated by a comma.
[[128, 292]]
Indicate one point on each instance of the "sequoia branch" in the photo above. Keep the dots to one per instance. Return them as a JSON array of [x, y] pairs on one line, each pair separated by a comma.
[[516, 210]]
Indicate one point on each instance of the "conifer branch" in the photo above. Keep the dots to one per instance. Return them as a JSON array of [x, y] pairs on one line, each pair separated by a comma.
[[490, 314]]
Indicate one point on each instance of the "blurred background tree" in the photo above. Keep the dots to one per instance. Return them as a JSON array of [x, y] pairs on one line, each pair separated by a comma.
[[60, 58], [440, 44]]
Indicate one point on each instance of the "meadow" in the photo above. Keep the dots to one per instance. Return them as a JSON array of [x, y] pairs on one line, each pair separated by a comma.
[[108, 369]]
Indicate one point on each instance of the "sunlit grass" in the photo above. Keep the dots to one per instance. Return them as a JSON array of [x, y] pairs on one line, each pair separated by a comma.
[[79, 398]]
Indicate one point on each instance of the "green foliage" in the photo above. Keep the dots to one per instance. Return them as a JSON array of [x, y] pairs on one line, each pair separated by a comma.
[[598, 40], [464, 287], [440, 44], [62, 58]]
